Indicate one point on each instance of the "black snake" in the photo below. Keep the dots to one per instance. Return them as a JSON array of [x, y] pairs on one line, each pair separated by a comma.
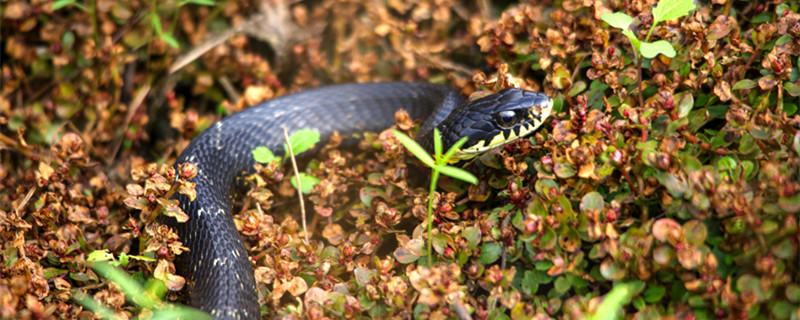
[[217, 268]]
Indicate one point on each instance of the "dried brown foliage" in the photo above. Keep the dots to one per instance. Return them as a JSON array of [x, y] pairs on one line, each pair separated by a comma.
[[691, 195]]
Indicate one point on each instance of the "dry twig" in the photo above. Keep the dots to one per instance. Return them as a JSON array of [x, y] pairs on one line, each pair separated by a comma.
[[299, 188]]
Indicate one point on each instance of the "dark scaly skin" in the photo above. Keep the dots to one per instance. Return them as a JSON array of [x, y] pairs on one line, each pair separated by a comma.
[[217, 268]]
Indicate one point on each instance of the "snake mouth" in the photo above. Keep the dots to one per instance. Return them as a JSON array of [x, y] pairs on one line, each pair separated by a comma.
[[535, 118]]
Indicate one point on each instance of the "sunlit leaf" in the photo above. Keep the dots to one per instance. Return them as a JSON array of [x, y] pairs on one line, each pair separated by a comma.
[[617, 20], [302, 140], [62, 3], [652, 49], [263, 155], [458, 173], [415, 148], [307, 182], [671, 9]]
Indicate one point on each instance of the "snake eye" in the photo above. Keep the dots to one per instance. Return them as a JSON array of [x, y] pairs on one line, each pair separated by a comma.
[[507, 118]]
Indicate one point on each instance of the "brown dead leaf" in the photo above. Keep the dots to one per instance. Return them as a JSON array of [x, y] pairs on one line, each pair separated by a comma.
[[723, 90], [334, 233], [165, 272]]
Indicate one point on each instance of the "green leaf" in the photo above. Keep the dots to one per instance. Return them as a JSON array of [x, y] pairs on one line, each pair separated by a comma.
[[654, 293], [490, 252], [200, 2], [793, 89], [62, 3], [577, 88], [129, 286], [473, 236], [632, 37], [453, 149], [744, 84], [617, 20], [796, 143], [685, 102], [170, 40], [437, 144], [100, 255], [651, 50], [671, 9], [612, 303], [529, 284], [307, 182], [156, 24], [726, 163], [415, 148], [457, 173], [263, 155], [302, 140], [592, 201], [562, 285]]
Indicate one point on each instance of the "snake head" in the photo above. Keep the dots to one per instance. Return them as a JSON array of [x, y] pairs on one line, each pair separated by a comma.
[[493, 121]]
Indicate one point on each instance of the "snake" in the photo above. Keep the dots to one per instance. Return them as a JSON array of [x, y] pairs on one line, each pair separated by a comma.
[[218, 271]]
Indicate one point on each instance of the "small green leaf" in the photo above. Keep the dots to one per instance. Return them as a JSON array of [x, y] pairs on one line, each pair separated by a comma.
[[793, 89], [592, 201], [100, 255], [490, 252], [62, 3], [617, 20], [200, 2], [263, 155], [437, 143], [170, 40], [415, 148], [124, 258], [577, 88], [307, 182], [473, 235], [726, 163], [671, 9], [154, 20], [562, 285], [651, 50], [685, 103], [796, 143], [453, 149], [529, 284], [457, 173], [744, 84], [654, 293], [302, 140]]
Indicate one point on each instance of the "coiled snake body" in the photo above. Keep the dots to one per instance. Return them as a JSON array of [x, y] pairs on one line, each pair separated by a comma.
[[217, 268]]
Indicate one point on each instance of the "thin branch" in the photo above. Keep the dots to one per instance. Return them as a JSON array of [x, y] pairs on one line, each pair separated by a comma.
[[299, 188], [19, 147]]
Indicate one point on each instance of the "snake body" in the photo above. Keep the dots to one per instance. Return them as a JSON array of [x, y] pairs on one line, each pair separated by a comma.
[[217, 268]]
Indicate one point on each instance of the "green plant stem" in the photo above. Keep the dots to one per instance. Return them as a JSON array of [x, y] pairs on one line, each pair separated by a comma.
[[647, 38], [434, 181], [95, 31], [639, 66]]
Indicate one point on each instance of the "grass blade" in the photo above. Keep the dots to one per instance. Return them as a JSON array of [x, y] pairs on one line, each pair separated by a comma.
[[458, 173], [453, 149], [415, 148]]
